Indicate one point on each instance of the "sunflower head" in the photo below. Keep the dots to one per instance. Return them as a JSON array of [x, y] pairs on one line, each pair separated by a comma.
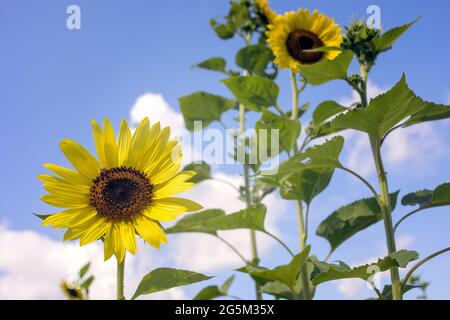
[[291, 35], [126, 191], [359, 38], [72, 292]]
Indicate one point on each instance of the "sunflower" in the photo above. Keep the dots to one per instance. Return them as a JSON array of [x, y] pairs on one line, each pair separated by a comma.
[[263, 6], [129, 190], [72, 292], [294, 32]]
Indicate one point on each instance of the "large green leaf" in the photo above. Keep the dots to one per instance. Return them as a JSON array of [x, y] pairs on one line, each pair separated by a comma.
[[204, 107], [429, 198], [166, 278], [194, 222], [288, 129], [255, 59], [306, 175], [286, 274], [383, 112], [320, 156], [350, 219], [328, 272], [250, 218], [327, 70], [326, 110], [387, 39], [202, 169], [253, 92], [431, 113], [213, 292], [214, 64]]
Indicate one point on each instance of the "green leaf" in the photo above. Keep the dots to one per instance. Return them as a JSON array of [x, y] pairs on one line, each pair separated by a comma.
[[166, 278], [315, 131], [387, 39], [306, 175], [87, 283], [326, 110], [84, 270], [429, 199], [255, 59], [289, 131], [42, 216], [250, 218], [327, 70], [193, 222], [417, 198], [253, 92], [286, 274], [431, 113], [202, 169], [345, 222], [278, 289], [214, 64], [223, 31], [204, 107], [383, 112], [213, 292], [325, 272]]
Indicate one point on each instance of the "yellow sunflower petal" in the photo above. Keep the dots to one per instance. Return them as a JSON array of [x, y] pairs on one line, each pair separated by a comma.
[[109, 242], [139, 144], [69, 174], [110, 145], [124, 142], [69, 218], [99, 141], [94, 232], [71, 202], [149, 230], [129, 237], [174, 186], [169, 209], [80, 158]]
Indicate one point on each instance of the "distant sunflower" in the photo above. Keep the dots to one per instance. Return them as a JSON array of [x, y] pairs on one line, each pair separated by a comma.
[[263, 6], [127, 191], [72, 292], [294, 32]]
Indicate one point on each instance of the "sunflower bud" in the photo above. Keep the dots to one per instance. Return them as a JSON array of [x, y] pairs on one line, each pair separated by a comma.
[[359, 39]]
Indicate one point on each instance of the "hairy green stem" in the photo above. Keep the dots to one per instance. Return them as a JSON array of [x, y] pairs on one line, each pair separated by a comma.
[[120, 279], [383, 199], [248, 200], [300, 218]]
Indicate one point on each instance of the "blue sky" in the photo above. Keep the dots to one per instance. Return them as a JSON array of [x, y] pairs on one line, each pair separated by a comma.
[[55, 80]]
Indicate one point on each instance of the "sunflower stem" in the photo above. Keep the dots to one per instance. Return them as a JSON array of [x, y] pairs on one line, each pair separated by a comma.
[[120, 279], [383, 199], [301, 221], [248, 199]]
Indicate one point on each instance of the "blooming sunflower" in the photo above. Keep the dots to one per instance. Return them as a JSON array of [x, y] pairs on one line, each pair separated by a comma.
[[263, 6], [294, 32], [129, 190]]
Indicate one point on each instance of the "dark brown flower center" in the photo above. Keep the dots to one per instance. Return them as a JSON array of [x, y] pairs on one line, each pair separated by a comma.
[[300, 40], [120, 193]]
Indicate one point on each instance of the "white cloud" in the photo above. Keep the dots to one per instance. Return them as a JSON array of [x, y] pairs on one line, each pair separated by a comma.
[[155, 107]]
